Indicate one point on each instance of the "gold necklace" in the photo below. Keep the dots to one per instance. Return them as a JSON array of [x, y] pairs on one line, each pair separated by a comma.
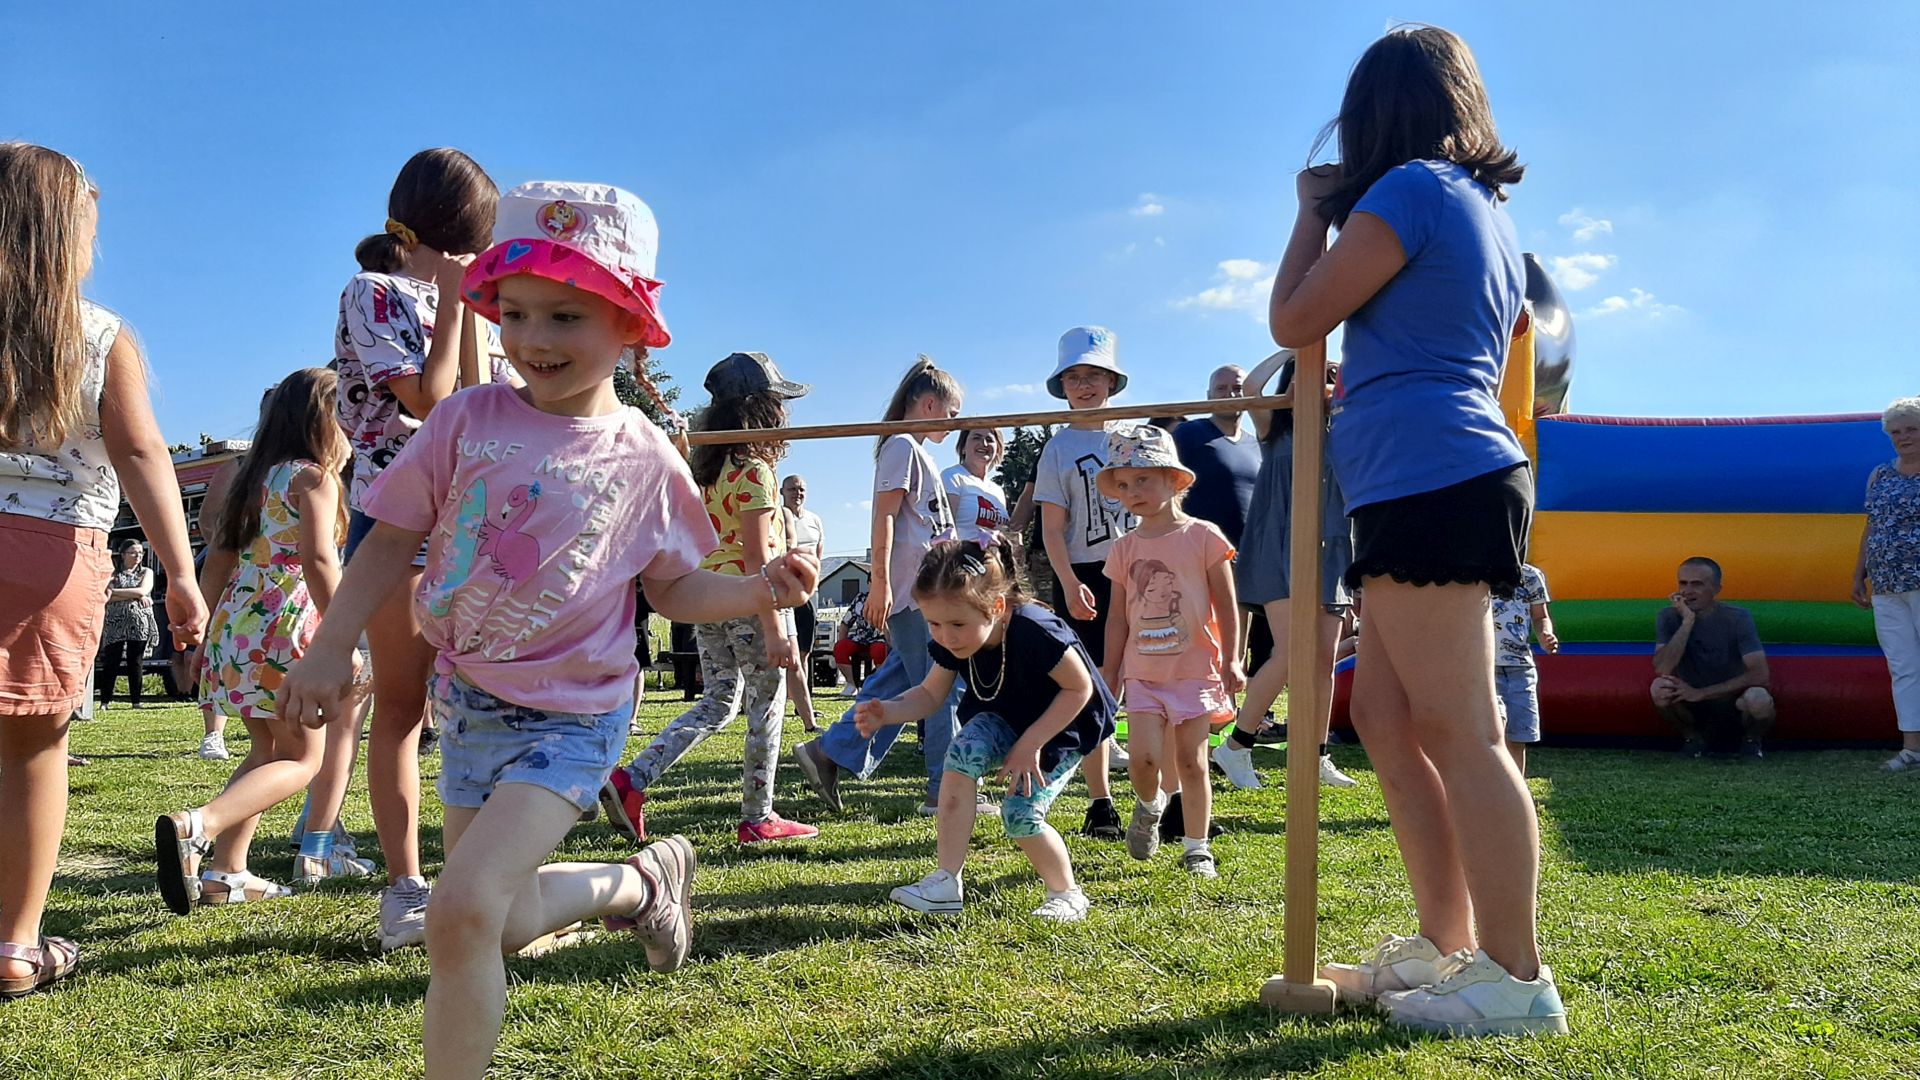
[[978, 687]]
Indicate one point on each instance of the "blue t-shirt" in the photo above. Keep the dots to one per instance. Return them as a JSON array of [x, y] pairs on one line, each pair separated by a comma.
[[1014, 681], [1224, 470], [1415, 409]]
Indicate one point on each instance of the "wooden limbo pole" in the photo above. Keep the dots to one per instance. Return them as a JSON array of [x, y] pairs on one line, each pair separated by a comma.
[[1297, 988]]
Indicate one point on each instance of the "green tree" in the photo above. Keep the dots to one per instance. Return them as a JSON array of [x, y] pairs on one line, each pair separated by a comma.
[[1017, 469], [628, 389]]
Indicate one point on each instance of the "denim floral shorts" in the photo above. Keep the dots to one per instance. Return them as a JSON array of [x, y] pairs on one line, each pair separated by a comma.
[[486, 742]]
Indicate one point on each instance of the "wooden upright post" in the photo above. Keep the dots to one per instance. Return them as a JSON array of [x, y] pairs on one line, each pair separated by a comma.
[[1299, 989], [472, 371]]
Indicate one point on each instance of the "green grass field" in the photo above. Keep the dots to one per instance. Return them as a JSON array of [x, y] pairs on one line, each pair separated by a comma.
[[1707, 919]]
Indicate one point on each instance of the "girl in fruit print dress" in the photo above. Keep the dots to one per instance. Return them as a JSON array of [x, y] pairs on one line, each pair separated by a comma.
[[742, 657], [283, 515]]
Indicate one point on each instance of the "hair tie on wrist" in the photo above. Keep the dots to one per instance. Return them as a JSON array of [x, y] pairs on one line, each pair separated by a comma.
[[771, 589], [405, 234]]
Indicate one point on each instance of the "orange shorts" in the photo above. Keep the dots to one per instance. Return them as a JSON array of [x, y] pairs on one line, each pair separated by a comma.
[[53, 605]]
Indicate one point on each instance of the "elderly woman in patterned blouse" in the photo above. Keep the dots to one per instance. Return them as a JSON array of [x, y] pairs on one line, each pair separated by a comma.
[[1887, 575]]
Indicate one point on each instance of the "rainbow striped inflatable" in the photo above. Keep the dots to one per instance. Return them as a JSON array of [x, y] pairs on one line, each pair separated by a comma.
[[1777, 501]]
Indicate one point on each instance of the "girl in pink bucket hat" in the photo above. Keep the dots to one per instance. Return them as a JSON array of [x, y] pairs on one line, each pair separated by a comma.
[[540, 504]]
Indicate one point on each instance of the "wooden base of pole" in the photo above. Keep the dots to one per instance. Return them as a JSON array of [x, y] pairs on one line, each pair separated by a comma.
[[1316, 998]]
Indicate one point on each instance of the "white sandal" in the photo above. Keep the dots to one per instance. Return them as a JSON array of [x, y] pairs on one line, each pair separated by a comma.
[[340, 862], [218, 888]]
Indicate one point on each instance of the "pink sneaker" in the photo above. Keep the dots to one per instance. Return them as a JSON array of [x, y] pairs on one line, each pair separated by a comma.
[[622, 805], [774, 828]]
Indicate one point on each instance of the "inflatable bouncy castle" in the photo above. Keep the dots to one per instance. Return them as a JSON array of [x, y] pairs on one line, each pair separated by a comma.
[[1620, 501]]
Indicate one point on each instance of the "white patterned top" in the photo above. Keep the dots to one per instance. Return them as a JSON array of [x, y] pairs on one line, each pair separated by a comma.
[[73, 483]]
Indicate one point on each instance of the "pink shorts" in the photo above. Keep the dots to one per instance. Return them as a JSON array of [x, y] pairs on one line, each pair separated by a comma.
[[53, 606], [1187, 699]]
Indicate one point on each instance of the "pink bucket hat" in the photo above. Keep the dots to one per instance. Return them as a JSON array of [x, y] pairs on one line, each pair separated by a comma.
[[595, 237]]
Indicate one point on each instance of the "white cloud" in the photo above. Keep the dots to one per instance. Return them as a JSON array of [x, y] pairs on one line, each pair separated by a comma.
[[1239, 285], [1010, 390], [1584, 226], [1638, 301], [1159, 241], [1148, 206], [1576, 272]]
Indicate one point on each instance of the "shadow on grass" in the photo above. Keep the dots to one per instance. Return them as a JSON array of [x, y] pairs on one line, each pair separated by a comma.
[[1825, 814], [1246, 1041]]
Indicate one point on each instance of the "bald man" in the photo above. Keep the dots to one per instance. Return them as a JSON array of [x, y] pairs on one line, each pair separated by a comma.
[[1224, 457]]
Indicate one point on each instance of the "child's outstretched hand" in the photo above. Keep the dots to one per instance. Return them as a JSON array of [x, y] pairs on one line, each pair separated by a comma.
[[780, 651], [1234, 678], [1022, 770], [316, 688], [869, 717], [1080, 603]]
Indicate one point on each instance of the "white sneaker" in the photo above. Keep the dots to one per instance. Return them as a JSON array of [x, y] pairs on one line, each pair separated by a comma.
[[1904, 761], [403, 914], [340, 862], [939, 893], [982, 807], [1478, 997], [1069, 906], [1331, 776], [1117, 759], [214, 748], [1238, 765], [1397, 963]]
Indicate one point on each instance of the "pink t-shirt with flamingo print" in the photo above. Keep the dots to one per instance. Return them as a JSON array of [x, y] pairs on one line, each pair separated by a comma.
[[537, 526]]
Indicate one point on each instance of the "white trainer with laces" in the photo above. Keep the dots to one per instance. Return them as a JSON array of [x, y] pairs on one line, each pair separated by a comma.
[[1904, 761], [1117, 759], [1238, 765], [1331, 776], [214, 748], [1477, 997], [1397, 963], [939, 893], [1069, 906], [403, 913]]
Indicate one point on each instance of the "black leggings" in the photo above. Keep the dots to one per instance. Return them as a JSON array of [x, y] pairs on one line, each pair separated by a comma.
[[118, 658]]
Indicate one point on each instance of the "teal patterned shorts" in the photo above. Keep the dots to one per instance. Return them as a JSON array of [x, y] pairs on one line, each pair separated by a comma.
[[981, 749]]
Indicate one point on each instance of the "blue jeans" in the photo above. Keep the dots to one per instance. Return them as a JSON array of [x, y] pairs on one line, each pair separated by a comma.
[[906, 667]]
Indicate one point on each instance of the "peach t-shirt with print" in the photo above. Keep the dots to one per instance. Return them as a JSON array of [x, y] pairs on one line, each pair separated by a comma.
[[1171, 634]]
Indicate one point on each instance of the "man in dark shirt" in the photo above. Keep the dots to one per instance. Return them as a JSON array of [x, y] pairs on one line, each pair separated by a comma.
[[1708, 664], [1225, 459]]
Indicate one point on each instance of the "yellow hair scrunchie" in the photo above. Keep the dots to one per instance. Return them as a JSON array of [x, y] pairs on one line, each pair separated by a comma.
[[405, 234]]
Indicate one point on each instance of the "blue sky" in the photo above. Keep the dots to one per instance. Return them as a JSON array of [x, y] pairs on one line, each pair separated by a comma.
[[1726, 195]]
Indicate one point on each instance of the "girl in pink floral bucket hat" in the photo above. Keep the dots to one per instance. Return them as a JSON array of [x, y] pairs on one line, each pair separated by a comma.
[[541, 503], [1173, 640]]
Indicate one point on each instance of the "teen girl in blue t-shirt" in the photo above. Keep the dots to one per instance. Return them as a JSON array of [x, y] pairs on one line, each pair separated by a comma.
[[1427, 276]]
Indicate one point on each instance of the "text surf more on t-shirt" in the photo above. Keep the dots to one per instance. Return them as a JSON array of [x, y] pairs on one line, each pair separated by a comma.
[[537, 526]]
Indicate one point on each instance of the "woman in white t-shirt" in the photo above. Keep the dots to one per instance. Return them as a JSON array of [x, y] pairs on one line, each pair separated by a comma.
[[979, 504], [397, 350]]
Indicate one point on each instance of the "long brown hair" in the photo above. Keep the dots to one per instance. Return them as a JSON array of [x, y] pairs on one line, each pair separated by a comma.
[[445, 198], [1415, 94], [297, 421], [923, 378], [43, 257], [756, 411]]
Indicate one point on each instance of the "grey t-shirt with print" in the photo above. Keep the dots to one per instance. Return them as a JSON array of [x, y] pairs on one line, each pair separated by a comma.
[[1068, 476]]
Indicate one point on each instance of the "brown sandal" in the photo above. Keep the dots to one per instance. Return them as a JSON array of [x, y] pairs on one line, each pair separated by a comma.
[[54, 959]]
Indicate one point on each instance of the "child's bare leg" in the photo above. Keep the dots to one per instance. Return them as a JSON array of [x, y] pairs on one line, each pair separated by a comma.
[[1189, 752], [1095, 768], [328, 791], [1049, 858], [283, 760], [1146, 749], [957, 814], [492, 878]]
